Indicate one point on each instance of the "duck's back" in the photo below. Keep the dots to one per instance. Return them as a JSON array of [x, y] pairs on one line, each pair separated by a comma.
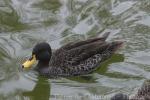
[[81, 57]]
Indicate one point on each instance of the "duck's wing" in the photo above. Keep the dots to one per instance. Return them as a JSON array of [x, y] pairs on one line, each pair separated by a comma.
[[79, 54], [77, 44], [83, 59]]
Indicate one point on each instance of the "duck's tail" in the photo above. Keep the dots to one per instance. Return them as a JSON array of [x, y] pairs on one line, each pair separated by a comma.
[[114, 46], [105, 35]]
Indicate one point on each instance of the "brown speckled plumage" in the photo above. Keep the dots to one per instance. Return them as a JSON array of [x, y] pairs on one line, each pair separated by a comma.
[[76, 58]]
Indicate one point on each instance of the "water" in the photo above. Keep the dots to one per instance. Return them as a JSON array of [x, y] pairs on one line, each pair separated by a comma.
[[23, 23]]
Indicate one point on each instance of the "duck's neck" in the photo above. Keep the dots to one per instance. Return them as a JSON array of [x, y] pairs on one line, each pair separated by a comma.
[[42, 64], [42, 67]]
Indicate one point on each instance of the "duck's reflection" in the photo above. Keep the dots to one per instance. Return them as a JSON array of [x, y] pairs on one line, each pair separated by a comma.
[[40, 92]]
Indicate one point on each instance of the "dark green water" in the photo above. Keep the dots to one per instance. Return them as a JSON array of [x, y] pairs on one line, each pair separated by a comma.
[[23, 23]]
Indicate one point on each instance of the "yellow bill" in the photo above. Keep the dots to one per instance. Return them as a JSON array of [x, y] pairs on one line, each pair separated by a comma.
[[30, 62]]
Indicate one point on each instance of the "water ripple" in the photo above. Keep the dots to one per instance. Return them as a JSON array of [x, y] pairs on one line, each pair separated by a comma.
[[23, 23]]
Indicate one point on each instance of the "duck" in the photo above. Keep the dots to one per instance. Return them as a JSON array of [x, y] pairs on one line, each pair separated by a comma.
[[73, 59], [143, 93]]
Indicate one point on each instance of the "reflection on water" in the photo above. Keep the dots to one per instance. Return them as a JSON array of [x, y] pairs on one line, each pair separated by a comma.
[[23, 23], [41, 91]]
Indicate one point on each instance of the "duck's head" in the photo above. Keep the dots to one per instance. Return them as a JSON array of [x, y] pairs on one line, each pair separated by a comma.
[[41, 52]]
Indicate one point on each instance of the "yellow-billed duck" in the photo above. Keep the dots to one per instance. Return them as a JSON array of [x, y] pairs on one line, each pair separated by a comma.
[[72, 59]]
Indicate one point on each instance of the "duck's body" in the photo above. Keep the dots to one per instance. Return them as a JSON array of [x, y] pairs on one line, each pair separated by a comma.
[[74, 58]]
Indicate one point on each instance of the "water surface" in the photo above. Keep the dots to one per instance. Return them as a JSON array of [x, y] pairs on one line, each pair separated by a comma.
[[23, 23]]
